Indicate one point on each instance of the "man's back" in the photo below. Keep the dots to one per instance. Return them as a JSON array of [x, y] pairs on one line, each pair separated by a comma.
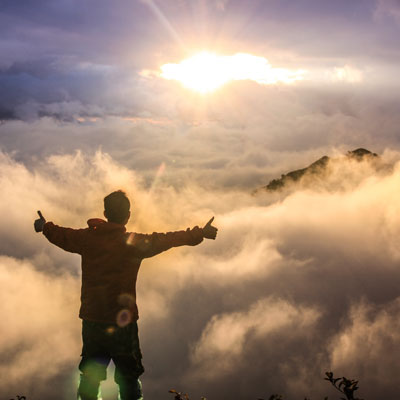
[[111, 258]]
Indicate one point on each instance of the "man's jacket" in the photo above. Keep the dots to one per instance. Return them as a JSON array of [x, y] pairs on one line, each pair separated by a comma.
[[111, 259]]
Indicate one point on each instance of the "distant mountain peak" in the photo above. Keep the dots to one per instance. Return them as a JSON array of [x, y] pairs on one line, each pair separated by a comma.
[[361, 153], [317, 167]]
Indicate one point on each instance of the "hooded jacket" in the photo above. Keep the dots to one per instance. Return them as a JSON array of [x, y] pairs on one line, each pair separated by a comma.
[[111, 258]]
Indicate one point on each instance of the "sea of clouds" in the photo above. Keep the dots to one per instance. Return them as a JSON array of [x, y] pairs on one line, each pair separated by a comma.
[[295, 284]]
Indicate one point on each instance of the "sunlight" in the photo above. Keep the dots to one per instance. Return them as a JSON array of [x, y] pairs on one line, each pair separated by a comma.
[[206, 72]]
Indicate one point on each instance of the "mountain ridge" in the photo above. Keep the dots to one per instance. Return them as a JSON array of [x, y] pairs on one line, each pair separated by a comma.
[[316, 168]]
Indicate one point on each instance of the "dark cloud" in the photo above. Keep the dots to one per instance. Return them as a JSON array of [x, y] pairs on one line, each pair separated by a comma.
[[51, 87]]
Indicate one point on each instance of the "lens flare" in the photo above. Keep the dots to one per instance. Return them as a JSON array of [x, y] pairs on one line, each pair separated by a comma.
[[124, 318]]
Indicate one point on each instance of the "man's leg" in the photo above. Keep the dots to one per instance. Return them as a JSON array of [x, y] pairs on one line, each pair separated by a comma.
[[95, 359], [127, 358], [93, 371], [127, 378]]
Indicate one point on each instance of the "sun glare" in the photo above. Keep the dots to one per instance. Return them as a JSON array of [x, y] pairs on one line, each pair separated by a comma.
[[206, 72]]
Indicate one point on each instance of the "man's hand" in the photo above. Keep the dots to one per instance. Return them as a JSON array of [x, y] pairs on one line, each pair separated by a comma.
[[39, 223], [209, 231]]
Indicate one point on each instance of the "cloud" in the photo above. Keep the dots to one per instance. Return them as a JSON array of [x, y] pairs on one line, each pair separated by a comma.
[[227, 337], [348, 74], [369, 344], [292, 287], [388, 8], [243, 136], [64, 90], [40, 339]]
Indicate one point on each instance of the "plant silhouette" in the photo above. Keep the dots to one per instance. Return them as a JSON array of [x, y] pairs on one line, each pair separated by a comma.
[[343, 385]]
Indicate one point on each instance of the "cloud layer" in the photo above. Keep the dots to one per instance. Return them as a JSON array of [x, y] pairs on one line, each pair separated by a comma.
[[290, 288]]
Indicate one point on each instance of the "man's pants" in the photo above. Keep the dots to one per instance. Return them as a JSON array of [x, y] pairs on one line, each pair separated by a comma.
[[103, 342]]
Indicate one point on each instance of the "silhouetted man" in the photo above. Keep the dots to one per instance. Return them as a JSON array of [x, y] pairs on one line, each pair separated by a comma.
[[111, 258]]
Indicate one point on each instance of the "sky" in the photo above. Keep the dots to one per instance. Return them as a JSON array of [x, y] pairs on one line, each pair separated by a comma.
[[97, 96]]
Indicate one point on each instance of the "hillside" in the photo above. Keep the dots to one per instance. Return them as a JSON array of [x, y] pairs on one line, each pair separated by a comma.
[[320, 167]]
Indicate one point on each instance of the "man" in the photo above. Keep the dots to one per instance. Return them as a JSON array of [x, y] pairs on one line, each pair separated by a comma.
[[111, 258]]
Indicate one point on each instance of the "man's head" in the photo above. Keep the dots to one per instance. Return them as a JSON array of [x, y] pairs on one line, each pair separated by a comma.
[[116, 207]]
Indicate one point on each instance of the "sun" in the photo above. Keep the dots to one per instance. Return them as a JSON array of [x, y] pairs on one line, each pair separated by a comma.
[[205, 72]]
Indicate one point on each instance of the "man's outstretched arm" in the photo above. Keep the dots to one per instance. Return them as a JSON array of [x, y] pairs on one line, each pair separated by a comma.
[[66, 238], [155, 243]]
